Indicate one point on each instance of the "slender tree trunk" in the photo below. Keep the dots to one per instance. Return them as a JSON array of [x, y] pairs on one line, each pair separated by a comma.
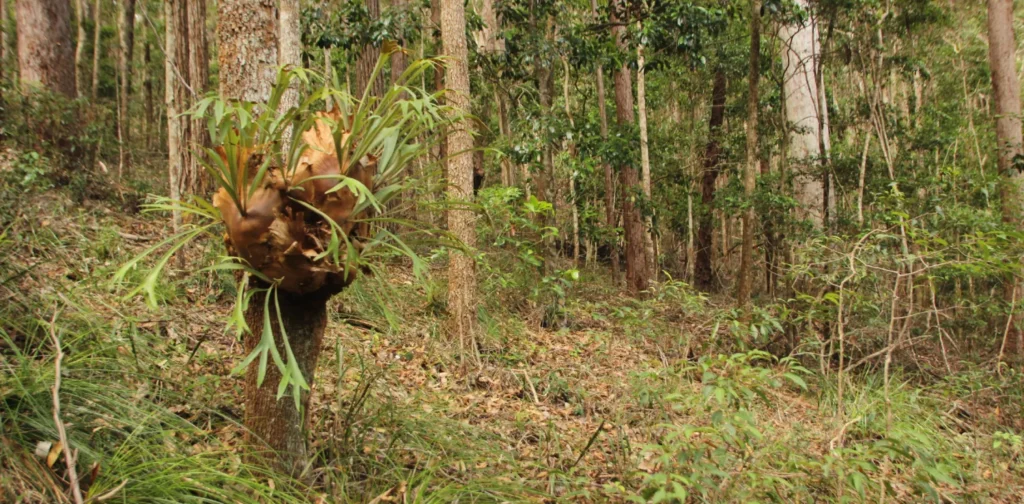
[[1006, 94], [746, 273], [368, 60], [273, 423], [289, 53], [487, 39], [461, 266], [704, 274], [172, 102], [544, 182], [801, 89], [636, 264], [572, 176], [45, 49], [398, 60], [3, 38], [861, 178], [97, 29], [507, 170], [609, 181], [771, 246], [126, 37], [435, 20], [147, 96], [80, 13], [198, 76], [645, 161]]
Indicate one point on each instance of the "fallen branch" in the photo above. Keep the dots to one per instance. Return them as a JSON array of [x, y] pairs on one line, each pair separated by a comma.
[[76, 491]]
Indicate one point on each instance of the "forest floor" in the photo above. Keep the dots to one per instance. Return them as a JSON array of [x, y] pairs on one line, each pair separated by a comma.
[[632, 400]]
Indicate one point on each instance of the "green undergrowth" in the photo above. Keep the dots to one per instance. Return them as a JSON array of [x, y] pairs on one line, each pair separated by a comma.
[[654, 400]]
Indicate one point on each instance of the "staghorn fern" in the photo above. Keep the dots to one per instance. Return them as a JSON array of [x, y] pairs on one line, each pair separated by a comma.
[[298, 208]]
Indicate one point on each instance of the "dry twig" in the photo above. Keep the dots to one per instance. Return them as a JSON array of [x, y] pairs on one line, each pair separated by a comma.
[[69, 459]]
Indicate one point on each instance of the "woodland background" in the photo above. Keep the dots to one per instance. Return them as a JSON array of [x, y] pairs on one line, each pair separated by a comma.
[[656, 251]]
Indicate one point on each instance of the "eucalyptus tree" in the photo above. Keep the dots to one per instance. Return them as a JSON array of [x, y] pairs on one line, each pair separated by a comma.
[[800, 50], [45, 48], [1010, 147], [462, 282]]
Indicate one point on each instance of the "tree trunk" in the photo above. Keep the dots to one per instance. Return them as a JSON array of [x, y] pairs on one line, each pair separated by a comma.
[[187, 80], [3, 38], [435, 20], [645, 161], [368, 60], [609, 181], [636, 264], [198, 78], [398, 60], [97, 30], [751, 168], [1006, 97], [461, 266], [704, 275], [45, 50], [544, 182], [802, 110], [507, 171], [80, 13], [126, 37], [273, 423], [173, 103], [147, 130], [247, 48], [487, 39]]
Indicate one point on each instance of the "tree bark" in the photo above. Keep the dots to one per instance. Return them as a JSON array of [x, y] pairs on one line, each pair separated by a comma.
[[367, 60], [802, 113], [752, 164], [247, 48], [461, 266], [45, 50], [609, 181], [271, 423], [1006, 98], [636, 264], [97, 30], [704, 275], [126, 38]]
